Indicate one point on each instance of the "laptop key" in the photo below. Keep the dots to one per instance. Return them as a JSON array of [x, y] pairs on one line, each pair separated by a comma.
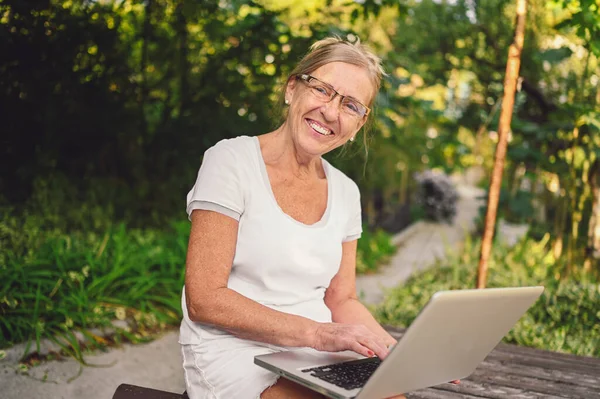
[[348, 375]]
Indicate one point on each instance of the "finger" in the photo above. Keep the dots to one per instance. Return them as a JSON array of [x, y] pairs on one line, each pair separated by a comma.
[[361, 349], [384, 350], [378, 348]]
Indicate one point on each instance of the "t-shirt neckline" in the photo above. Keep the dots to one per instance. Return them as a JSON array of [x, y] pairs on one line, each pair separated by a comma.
[[267, 184]]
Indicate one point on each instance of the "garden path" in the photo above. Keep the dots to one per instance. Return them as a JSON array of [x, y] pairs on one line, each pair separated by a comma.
[[421, 244], [155, 365]]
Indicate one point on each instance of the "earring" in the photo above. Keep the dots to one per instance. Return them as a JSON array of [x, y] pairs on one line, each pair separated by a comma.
[[352, 138], [287, 102]]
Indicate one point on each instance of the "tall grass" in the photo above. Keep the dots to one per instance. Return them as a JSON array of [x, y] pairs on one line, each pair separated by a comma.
[[82, 280], [374, 249], [565, 319]]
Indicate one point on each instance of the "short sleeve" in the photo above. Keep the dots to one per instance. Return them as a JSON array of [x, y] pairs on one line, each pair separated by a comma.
[[218, 185], [354, 226]]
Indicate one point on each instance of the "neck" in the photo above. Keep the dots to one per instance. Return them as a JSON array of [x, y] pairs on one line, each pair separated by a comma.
[[279, 149]]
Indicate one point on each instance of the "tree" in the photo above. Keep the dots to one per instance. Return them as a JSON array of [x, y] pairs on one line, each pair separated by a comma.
[[510, 85]]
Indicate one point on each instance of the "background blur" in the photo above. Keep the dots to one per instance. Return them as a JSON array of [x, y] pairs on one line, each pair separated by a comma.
[[107, 107]]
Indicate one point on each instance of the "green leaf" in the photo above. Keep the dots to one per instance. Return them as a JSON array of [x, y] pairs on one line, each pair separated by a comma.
[[554, 56]]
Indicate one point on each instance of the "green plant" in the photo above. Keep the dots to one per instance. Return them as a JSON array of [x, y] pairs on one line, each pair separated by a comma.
[[80, 281], [566, 318], [374, 248]]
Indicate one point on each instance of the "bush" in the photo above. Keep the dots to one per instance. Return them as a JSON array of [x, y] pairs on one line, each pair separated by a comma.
[[437, 196], [84, 280], [374, 249], [566, 318]]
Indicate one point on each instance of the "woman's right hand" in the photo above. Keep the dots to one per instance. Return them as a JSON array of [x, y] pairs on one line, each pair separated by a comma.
[[337, 337]]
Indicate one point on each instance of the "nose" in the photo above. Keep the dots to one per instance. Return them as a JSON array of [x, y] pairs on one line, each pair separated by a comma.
[[331, 109]]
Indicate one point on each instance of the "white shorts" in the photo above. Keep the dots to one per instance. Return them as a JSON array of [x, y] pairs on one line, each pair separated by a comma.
[[224, 369]]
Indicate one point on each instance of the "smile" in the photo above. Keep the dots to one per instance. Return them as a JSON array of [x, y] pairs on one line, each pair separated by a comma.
[[319, 128]]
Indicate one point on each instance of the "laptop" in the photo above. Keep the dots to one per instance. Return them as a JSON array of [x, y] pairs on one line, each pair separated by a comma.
[[452, 334]]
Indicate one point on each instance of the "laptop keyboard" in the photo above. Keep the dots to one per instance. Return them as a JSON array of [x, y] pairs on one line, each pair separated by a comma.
[[348, 375]]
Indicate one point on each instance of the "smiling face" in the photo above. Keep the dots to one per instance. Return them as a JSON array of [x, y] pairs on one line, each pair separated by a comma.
[[318, 127]]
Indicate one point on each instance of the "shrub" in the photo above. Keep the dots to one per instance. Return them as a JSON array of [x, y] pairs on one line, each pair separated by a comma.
[[374, 249], [566, 318], [84, 280], [437, 196]]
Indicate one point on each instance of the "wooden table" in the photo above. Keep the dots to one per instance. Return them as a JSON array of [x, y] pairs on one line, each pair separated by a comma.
[[508, 372], [512, 371]]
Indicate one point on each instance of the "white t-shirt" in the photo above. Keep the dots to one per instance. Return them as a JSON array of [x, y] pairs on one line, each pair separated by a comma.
[[279, 261]]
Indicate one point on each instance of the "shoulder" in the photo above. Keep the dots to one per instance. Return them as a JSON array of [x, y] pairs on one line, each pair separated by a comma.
[[236, 146], [346, 184], [236, 153]]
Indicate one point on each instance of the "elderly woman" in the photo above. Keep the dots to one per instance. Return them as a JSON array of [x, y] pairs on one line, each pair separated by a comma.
[[272, 251]]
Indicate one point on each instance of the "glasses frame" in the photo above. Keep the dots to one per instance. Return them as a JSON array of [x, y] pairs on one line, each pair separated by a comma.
[[306, 78]]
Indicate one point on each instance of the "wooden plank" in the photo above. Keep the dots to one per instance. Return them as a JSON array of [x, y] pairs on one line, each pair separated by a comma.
[[395, 333], [491, 391], [594, 362], [486, 376], [520, 372], [127, 391], [432, 393], [569, 366], [543, 374]]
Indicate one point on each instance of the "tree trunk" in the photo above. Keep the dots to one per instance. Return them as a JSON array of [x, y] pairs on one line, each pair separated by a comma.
[[510, 85]]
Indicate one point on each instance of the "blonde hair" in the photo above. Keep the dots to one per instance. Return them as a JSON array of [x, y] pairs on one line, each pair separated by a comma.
[[336, 49]]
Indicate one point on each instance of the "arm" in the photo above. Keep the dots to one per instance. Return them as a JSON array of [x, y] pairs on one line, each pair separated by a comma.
[[210, 254], [341, 298]]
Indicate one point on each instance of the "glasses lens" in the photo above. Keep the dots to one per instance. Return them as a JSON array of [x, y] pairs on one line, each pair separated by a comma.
[[353, 107], [321, 91], [326, 93]]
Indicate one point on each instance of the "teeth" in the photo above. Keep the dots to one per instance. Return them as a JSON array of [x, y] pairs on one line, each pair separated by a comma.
[[320, 128]]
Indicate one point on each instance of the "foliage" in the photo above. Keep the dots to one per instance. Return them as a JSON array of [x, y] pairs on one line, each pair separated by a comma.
[[107, 107], [132, 93], [555, 132], [374, 249], [564, 319], [437, 196], [84, 280], [514, 208], [120, 92]]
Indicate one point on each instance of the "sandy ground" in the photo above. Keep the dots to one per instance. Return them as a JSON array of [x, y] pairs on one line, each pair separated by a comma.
[[154, 365]]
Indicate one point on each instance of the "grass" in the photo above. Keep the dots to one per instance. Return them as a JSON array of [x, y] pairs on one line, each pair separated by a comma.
[[566, 318], [374, 249], [81, 281]]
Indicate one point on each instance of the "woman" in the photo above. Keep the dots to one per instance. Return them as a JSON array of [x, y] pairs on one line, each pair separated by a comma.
[[272, 251]]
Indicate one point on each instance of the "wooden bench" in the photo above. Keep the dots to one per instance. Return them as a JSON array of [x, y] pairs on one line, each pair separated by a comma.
[[512, 371], [509, 371], [127, 391]]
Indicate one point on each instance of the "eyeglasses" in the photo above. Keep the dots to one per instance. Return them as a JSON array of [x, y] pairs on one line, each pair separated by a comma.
[[326, 93]]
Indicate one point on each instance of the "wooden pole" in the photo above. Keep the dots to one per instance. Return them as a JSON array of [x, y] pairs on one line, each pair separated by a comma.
[[510, 84]]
